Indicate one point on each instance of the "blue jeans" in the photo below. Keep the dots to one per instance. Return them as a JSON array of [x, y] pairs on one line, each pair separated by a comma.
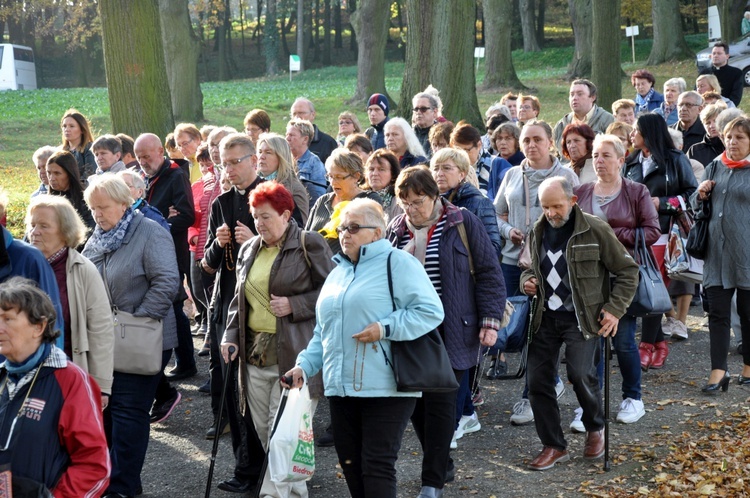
[[129, 427], [627, 357], [464, 403]]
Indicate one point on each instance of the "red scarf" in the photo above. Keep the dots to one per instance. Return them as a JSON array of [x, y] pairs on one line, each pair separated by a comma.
[[733, 164]]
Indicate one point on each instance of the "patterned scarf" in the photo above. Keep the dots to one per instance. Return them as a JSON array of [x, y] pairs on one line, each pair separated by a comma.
[[102, 242], [420, 235], [642, 102]]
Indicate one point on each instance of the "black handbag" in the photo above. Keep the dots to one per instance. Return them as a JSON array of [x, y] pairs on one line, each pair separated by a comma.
[[697, 239], [421, 364], [651, 296]]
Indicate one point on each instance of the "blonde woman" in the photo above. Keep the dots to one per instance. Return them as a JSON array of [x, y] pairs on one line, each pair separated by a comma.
[[275, 162], [348, 125]]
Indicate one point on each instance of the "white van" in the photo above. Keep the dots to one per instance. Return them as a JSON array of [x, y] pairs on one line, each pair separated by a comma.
[[17, 68]]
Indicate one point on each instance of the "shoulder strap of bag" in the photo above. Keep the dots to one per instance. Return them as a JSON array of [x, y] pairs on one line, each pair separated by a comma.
[[462, 233], [106, 284], [390, 281], [304, 247], [528, 201]]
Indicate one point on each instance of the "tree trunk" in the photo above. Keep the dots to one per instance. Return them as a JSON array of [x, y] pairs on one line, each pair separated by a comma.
[[353, 38], [669, 42], [327, 32], [605, 67], [528, 26], [370, 22], [301, 34], [540, 22], [730, 16], [271, 40], [139, 98], [181, 51], [221, 49], [315, 31], [498, 17], [580, 16], [338, 40], [447, 26]]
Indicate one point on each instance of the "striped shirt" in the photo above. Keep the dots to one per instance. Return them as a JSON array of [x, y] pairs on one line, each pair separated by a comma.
[[432, 254]]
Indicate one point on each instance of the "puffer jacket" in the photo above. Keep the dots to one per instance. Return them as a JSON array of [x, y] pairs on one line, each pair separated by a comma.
[[592, 253], [467, 196]]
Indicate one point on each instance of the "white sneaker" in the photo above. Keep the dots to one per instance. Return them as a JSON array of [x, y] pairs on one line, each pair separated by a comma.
[[559, 388], [679, 329], [522, 413], [631, 410], [667, 327], [577, 425], [467, 425], [454, 441]]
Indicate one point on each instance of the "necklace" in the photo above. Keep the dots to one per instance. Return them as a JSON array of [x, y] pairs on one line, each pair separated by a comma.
[[611, 191]]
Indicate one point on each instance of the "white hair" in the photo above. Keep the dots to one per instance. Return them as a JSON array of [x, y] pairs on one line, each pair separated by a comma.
[[412, 142]]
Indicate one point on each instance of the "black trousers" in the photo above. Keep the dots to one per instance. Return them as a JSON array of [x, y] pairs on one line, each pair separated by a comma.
[[367, 433], [434, 421], [719, 323], [582, 358]]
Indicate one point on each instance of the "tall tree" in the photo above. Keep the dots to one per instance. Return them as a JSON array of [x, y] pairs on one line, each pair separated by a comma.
[[669, 41], [605, 66], [139, 97], [730, 12], [370, 22], [447, 26], [181, 52], [271, 40], [338, 39], [528, 26], [327, 32], [301, 34], [499, 70], [541, 9], [581, 18]]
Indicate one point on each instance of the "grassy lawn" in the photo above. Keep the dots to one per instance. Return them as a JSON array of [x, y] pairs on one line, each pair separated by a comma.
[[30, 119]]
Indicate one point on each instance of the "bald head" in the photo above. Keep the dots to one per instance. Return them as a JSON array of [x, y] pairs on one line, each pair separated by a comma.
[[149, 153], [557, 200]]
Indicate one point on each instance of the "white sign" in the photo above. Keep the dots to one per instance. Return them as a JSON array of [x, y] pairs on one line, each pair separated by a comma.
[[631, 31], [294, 63], [479, 52]]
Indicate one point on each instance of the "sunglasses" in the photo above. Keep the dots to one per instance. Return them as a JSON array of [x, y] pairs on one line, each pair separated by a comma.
[[422, 109], [352, 229]]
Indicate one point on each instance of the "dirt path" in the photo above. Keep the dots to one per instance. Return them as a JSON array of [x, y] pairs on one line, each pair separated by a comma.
[[490, 462]]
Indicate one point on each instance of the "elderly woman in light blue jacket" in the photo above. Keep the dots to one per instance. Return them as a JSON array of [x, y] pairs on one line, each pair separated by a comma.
[[355, 324]]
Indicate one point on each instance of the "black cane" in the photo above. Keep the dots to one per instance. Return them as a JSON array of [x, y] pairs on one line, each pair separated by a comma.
[[217, 434], [607, 349]]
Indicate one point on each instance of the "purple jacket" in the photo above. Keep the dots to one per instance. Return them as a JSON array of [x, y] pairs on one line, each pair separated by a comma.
[[468, 304]]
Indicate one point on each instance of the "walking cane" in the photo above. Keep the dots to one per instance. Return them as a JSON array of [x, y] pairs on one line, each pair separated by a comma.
[[215, 448], [607, 350]]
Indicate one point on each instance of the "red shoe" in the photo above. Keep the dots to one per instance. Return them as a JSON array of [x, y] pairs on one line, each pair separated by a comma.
[[646, 351], [660, 354]]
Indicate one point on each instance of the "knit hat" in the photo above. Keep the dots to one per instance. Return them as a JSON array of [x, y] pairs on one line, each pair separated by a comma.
[[380, 100]]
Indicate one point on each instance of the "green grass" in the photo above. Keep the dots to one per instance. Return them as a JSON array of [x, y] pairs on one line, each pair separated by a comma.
[[30, 119]]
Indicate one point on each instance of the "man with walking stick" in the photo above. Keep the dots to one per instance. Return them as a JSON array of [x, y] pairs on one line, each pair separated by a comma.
[[573, 255]]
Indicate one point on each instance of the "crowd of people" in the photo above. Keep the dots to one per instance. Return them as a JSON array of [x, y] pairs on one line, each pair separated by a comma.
[[302, 253]]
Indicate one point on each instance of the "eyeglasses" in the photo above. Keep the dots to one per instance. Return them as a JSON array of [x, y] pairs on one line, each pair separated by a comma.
[[526, 108], [337, 178], [688, 105], [352, 229], [422, 109], [408, 205], [185, 144], [235, 162], [344, 122]]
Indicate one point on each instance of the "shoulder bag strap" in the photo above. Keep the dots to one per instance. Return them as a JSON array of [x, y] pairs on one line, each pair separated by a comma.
[[304, 247], [528, 202], [462, 233], [390, 281], [106, 283]]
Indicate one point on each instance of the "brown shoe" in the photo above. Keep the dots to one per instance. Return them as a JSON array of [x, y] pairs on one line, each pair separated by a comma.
[[646, 351], [548, 458], [594, 447], [661, 352]]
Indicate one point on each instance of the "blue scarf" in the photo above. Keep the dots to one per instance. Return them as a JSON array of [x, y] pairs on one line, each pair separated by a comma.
[[16, 371], [642, 102], [270, 176], [102, 242]]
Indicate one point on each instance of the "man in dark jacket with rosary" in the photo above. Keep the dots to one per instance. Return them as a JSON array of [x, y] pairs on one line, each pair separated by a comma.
[[573, 255]]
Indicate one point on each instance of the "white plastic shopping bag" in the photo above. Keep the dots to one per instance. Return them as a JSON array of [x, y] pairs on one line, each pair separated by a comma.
[[291, 452]]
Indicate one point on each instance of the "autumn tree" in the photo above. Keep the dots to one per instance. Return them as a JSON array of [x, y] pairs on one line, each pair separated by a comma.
[[581, 18], [498, 20], [439, 51], [370, 22], [139, 97], [605, 66], [181, 51], [669, 41], [526, 8]]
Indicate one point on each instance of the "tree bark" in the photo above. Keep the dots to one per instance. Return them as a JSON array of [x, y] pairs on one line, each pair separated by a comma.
[[580, 16], [338, 40], [669, 41], [181, 51], [370, 22], [528, 26], [540, 22], [730, 15], [419, 19], [605, 67], [353, 38], [327, 32], [498, 17], [301, 34], [139, 97], [271, 40]]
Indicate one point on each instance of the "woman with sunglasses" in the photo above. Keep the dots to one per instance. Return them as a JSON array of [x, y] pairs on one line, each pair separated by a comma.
[[449, 242], [357, 318], [346, 173], [51, 430]]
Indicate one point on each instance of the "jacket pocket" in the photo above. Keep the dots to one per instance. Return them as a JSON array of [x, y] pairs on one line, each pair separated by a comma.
[[470, 328], [586, 261]]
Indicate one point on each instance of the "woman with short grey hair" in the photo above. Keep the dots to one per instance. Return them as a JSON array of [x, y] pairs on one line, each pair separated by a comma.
[[673, 87]]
